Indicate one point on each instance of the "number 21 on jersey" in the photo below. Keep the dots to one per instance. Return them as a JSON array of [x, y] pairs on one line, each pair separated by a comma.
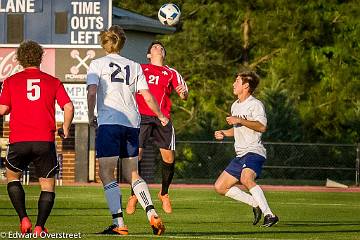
[[115, 78], [33, 89], [154, 79]]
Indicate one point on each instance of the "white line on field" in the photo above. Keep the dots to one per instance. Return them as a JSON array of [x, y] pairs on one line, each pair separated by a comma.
[[282, 203], [320, 204]]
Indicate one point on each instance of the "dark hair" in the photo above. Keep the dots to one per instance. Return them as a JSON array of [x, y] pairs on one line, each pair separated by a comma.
[[113, 40], [250, 77], [153, 43], [29, 54]]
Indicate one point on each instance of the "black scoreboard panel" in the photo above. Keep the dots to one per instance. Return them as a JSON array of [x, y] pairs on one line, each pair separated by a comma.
[[63, 23]]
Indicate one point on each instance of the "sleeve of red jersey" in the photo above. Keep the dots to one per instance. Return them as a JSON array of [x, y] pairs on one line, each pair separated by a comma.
[[177, 79], [5, 98], [62, 97]]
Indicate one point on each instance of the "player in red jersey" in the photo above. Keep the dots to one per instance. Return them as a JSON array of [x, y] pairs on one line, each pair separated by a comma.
[[29, 96], [162, 80]]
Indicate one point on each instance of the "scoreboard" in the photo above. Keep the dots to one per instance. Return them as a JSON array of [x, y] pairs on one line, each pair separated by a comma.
[[68, 30], [57, 23]]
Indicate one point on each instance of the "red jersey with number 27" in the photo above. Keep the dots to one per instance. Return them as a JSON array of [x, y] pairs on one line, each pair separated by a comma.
[[31, 96], [162, 80]]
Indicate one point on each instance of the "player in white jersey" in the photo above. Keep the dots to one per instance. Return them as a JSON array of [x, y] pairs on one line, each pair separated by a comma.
[[112, 82], [248, 119]]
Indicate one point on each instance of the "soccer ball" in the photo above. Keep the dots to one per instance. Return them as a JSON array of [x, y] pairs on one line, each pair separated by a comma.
[[169, 14]]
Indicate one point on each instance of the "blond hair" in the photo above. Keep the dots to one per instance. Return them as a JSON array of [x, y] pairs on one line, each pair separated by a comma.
[[113, 39]]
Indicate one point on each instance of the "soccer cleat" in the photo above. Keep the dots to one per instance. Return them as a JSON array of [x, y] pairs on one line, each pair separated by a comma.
[[257, 215], [25, 225], [131, 205], [270, 220], [166, 205], [116, 230], [38, 230], [157, 225]]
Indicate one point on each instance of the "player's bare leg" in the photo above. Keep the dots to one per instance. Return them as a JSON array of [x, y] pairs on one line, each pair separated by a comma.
[[113, 195], [225, 185], [17, 197], [167, 171], [248, 180], [132, 201], [142, 193]]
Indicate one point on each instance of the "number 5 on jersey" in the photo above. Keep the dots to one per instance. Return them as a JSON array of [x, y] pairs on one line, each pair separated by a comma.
[[32, 89]]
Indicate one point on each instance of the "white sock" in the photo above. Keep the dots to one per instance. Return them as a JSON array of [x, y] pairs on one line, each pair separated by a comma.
[[259, 197], [241, 196], [113, 197], [142, 193]]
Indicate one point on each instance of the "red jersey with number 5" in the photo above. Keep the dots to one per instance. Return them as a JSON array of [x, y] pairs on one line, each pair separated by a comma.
[[31, 96], [162, 80]]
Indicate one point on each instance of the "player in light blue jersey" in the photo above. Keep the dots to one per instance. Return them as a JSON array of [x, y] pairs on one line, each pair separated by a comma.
[[112, 82], [248, 121]]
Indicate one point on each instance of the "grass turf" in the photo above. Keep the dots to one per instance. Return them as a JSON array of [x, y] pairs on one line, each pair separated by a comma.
[[198, 214]]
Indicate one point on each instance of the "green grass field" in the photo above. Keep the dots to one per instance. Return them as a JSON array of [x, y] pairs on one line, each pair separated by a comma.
[[198, 214]]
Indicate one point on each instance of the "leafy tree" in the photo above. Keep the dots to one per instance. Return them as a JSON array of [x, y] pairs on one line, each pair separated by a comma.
[[305, 51]]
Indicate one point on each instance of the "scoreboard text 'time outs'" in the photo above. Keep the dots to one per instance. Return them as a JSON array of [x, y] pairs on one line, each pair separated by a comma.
[[60, 23]]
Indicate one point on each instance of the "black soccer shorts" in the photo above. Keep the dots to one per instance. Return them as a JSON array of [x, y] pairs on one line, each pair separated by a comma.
[[42, 154], [162, 136]]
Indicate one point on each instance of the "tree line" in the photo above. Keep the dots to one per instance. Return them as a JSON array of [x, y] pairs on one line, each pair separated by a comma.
[[306, 52]]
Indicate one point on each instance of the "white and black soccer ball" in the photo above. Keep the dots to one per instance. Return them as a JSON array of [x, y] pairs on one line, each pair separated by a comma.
[[169, 14]]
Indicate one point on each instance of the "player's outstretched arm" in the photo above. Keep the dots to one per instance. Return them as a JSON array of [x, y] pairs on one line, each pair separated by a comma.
[[182, 91], [254, 125], [153, 105], [68, 117], [179, 84], [220, 134]]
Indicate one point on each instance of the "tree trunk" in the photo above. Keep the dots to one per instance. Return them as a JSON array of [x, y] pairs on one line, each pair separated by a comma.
[[246, 36]]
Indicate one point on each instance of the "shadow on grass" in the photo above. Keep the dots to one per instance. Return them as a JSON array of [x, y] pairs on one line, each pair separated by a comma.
[[320, 224], [234, 233]]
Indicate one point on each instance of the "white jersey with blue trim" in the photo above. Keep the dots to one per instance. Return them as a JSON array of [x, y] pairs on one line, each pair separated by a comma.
[[117, 79], [246, 139]]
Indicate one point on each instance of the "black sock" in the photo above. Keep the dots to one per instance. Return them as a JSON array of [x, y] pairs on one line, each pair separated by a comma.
[[148, 208], [17, 197], [167, 176], [45, 204], [139, 171]]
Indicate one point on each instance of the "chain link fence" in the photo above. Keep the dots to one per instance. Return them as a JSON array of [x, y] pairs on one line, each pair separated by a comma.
[[287, 163]]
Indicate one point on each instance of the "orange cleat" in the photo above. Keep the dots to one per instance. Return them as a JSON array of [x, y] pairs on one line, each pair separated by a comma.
[[157, 225], [131, 205], [25, 225], [38, 230], [116, 230], [166, 205]]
